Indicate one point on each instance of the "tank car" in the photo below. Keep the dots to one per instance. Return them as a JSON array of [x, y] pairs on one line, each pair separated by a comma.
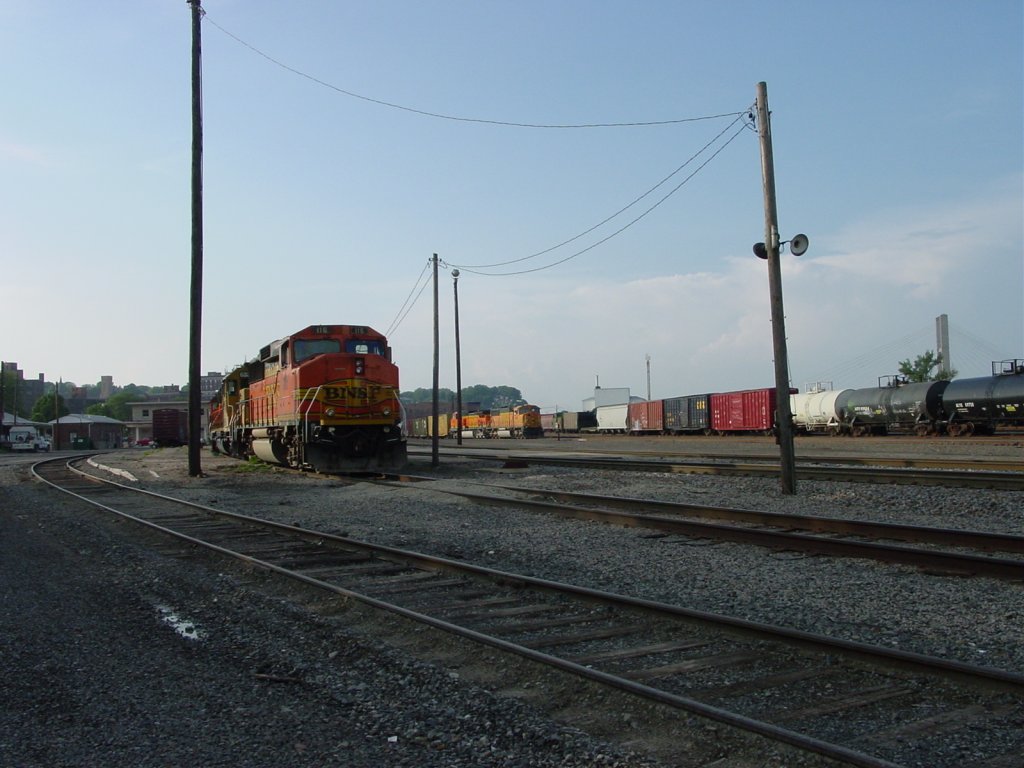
[[815, 409], [894, 404], [978, 406], [324, 398]]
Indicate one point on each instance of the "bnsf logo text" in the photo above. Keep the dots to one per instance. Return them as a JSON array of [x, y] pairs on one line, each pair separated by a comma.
[[351, 393]]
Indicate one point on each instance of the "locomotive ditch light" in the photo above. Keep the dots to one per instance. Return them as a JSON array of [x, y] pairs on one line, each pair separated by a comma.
[[330, 412]]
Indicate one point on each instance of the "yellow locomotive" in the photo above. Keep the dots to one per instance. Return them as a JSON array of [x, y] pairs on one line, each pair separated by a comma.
[[520, 421]]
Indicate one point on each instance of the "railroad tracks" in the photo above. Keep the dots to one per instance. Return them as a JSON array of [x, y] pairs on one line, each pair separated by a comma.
[[835, 537], [904, 474], [858, 704]]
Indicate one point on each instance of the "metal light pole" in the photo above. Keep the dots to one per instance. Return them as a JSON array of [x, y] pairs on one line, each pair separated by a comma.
[[458, 357]]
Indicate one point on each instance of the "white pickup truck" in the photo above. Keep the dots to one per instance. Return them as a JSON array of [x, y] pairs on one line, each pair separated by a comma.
[[27, 438]]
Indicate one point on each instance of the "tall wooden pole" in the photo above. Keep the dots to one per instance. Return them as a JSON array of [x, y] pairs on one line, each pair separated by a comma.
[[784, 418], [196, 315], [434, 448], [458, 359]]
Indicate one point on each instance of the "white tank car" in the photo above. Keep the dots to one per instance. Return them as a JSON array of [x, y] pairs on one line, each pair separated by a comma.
[[815, 410]]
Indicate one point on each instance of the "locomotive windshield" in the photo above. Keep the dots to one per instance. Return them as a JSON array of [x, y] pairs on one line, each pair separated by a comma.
[[307, 348], [364, 347]]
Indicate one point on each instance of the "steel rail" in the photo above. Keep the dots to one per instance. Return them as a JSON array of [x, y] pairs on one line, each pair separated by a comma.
[[948, 478], [947, 562], [954, 669], [975, 675], [991, 464]]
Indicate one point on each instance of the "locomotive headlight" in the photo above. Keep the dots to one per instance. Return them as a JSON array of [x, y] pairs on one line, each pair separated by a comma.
[[386, 411], [330, 411], [360, 366]]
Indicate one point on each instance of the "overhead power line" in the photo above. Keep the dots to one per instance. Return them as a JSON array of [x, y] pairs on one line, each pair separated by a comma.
[[618, 231], [406, 307], [614, 215], [458, 118]]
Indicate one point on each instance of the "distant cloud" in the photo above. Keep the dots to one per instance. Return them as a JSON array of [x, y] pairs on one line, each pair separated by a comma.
[[25, 153], [921, 250], [852, 313]]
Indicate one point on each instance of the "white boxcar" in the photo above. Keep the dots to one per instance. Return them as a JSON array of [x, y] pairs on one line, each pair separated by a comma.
[[816, 411], [613, 418]]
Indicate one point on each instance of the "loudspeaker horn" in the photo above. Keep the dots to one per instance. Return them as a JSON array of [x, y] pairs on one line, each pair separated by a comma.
[[798, 245]]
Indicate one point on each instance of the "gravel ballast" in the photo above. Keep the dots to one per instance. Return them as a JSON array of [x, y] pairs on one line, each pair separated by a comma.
[[113, 649]]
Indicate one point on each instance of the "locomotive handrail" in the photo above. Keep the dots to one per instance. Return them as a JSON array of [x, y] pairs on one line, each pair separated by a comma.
[[305, 416]]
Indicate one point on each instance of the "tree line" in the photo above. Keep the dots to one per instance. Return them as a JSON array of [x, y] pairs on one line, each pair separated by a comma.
[[481, 395]]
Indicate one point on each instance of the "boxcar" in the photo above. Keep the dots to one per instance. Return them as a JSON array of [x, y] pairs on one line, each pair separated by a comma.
[[612, 418], [646, 416], [170, 427], [687, 414], [423, 426], [751, 410]]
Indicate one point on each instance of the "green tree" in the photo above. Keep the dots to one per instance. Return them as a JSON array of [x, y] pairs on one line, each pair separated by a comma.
[[13, 396], [921, 369], [43, 408], [421, 395], [116, 406], [487, 397]]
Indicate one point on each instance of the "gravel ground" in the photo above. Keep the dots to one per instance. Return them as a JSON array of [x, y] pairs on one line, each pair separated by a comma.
[[93, 671]]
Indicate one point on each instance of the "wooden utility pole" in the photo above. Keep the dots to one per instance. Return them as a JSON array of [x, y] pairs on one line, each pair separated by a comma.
[[196, 316], [434, 448], [458, 359], [784, 418]]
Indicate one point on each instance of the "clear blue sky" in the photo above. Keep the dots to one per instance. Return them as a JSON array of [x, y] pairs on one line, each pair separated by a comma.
[[899, 150]]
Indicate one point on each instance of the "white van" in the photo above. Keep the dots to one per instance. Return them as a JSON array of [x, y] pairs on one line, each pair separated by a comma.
[[25, 437]]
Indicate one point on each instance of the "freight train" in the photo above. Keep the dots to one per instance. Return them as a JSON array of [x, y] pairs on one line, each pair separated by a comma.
[[520, 421], [959, 407], [324, 398]]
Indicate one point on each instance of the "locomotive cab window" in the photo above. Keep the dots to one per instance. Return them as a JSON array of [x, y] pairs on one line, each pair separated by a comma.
[[307, 348], [364, 347]]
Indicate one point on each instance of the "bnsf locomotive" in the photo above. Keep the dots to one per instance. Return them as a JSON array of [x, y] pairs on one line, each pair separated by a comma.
[[324, 398], [518, 421]]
